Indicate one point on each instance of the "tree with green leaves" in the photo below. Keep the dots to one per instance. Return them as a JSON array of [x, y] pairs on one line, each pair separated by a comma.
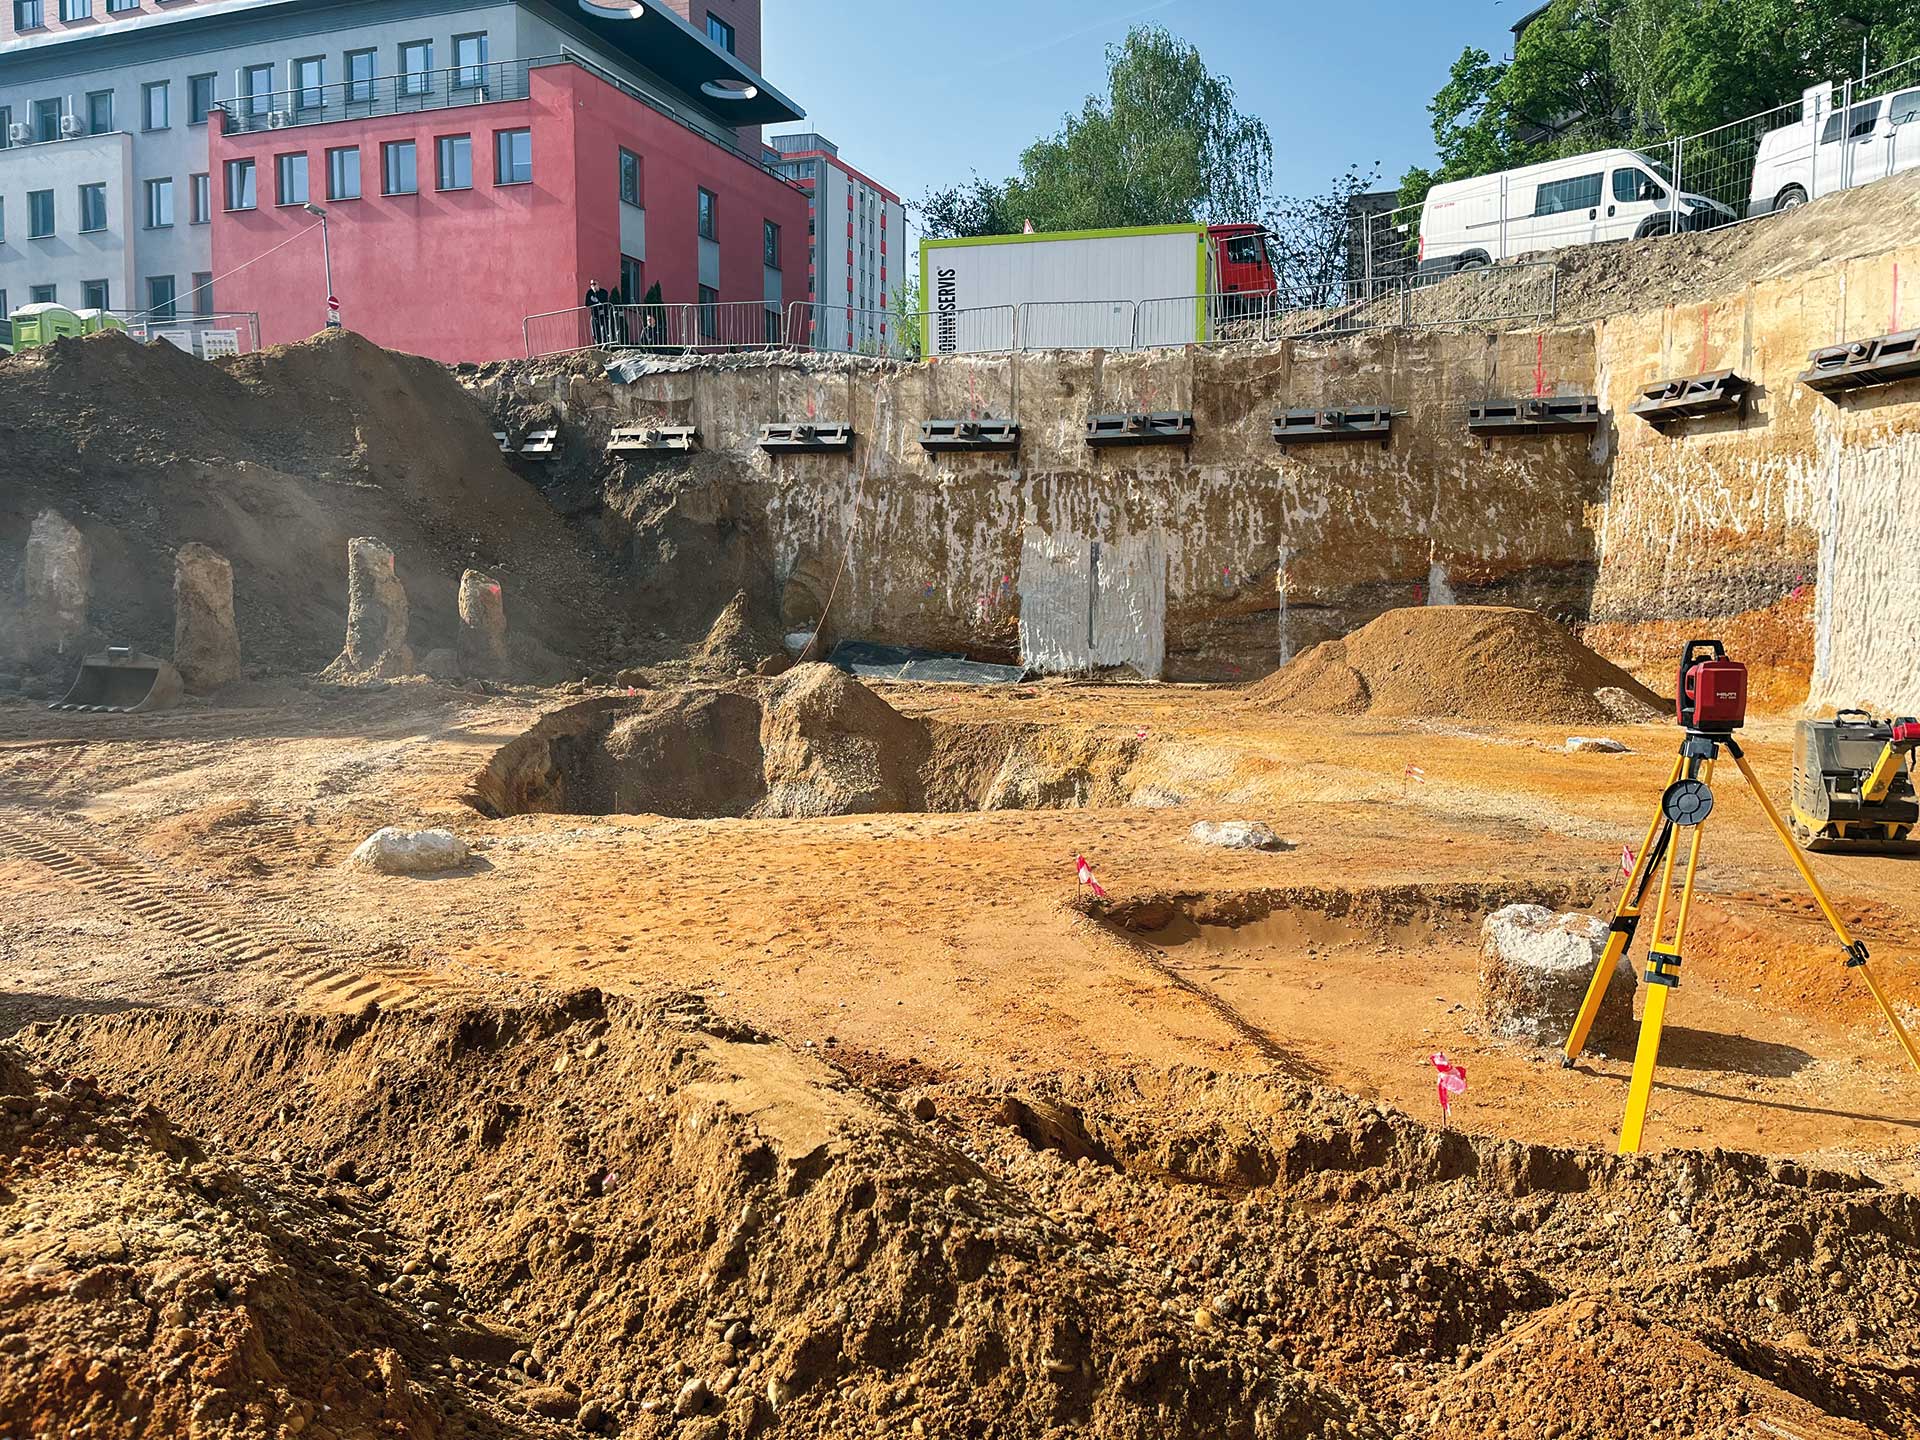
[[1165, 145]]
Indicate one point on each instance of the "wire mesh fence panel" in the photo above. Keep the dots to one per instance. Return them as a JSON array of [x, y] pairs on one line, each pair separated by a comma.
[[852, 330], [1076, 325], [210, 336], [1494, 295], [974, 330], [720, 325], [1388, 247], [555, 332], [1201, 319]]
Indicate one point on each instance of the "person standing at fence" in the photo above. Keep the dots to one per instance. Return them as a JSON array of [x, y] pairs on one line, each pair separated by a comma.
[[599, 311]]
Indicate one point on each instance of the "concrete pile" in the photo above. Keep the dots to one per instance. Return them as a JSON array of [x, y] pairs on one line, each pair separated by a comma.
[[206, 641], [376, 645], [1534, 972]]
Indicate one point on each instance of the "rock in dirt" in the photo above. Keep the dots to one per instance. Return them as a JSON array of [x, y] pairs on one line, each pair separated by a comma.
[[206, 641], [1534, 971], [1461, 662], [483, 625], [57, 582], [376, 615], [833, 747], [1237, 835], [1594, 745], [394, 851]]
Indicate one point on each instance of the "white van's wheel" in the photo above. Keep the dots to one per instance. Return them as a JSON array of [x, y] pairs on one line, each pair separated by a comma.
[[1471, 262], [1791, 198]]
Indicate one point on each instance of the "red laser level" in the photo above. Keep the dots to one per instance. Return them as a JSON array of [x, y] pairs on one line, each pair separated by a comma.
[[1711, 690]]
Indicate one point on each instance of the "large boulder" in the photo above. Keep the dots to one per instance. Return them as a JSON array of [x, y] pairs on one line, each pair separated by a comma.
[[833, 747], [1237, 835], [394, 851], [206, 641], [483, 625], [57, 582], [1534, 970], [376, 643]]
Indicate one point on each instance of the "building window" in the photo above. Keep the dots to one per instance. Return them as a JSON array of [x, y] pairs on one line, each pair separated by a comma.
[[453, 162], [309, 82], [709, 220], [6, 130], [240, 191], [199, 199], [39, 214], [93, 207], [121, 7], [343, 173], [397, 168], [416, 59], [256, 86], [94, 295], [773, 326], [512, 157], [720, 32], [160, 297], [469, 59], [290, 178], [629, 177], [4, 311], [153, 105], [359, 76], [709, 313], [202, 96], [203, 292], [3, 238], [28, 14], [632, 288], [100, 112], [72, 10], [160, 204], [45, 294], [770, 246], [46, 120]]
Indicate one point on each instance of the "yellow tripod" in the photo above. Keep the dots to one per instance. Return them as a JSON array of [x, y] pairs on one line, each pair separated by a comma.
[[1685, 804]]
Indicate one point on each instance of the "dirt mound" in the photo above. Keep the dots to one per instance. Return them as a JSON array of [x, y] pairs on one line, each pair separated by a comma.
[[275, 460], [833, 747], [742, 637], [652, 1220], [643, 1216], [1461, 662]]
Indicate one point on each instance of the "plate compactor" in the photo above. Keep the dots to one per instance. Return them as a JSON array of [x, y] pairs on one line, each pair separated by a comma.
[[1853, 782], [122, 681]]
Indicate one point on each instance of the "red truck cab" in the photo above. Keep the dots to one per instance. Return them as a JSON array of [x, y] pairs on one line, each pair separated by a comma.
[[1240, 256]]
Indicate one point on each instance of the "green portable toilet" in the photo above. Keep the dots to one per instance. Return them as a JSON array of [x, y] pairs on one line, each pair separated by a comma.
[[92, 322], [42, 324]]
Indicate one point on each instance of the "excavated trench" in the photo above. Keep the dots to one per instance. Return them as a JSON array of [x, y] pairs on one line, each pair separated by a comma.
[[813, 743]]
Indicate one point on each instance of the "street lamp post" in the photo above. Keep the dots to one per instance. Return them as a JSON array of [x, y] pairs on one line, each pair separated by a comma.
[[326, 255]]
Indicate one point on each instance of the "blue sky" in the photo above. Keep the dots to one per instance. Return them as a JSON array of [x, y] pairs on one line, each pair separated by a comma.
[[918, 93]]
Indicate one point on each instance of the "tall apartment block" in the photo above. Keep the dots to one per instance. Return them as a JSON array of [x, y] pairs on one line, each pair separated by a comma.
[[477, 163], [851, 284]]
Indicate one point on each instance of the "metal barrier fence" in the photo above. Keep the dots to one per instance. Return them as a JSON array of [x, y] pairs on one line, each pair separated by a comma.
[[1833, 138], [726, 325], [210, 336]]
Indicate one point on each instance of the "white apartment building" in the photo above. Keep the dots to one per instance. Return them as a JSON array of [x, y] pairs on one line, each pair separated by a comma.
[[857, 233]]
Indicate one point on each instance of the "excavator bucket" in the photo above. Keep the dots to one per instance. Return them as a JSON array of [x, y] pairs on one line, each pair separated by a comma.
[[120, 681]]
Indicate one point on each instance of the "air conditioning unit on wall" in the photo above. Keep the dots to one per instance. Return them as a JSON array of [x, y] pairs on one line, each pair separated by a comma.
[[69, 126], [19, 133]]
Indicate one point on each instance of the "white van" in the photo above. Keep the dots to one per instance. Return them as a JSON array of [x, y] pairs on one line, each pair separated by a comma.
[[1828, 150], [1581, 200]]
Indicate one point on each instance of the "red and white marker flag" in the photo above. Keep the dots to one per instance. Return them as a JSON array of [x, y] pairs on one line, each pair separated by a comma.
[[1449, 1080], [1414, 772], [1626, 862], [1085, 871]]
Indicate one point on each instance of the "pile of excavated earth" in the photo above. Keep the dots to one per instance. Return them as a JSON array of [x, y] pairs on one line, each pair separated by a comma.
[[640, 1217], [1461, 662]]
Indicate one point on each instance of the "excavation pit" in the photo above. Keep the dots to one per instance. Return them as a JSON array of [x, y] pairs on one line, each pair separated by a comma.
[[815, 742]]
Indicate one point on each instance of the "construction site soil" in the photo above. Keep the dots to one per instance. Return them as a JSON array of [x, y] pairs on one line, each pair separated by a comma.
[[768, 1068]]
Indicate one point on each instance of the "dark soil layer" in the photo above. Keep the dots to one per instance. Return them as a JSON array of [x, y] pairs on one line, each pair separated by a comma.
[[276, 460]]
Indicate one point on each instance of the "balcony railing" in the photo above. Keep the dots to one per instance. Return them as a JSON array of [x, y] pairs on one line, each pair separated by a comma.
[[448, 89]]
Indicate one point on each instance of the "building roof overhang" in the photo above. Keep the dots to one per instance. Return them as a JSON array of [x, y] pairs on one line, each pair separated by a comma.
[[656, 37]]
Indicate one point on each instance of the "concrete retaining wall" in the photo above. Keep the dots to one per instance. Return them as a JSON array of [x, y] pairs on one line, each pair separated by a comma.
[[1790, 530]]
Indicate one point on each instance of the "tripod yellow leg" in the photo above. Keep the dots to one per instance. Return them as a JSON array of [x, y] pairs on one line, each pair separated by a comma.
[[1856, 952], [1620, 935], [1662, 962]]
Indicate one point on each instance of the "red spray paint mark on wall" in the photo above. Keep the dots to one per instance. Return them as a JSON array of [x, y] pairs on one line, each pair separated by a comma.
[[1539, 365]]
